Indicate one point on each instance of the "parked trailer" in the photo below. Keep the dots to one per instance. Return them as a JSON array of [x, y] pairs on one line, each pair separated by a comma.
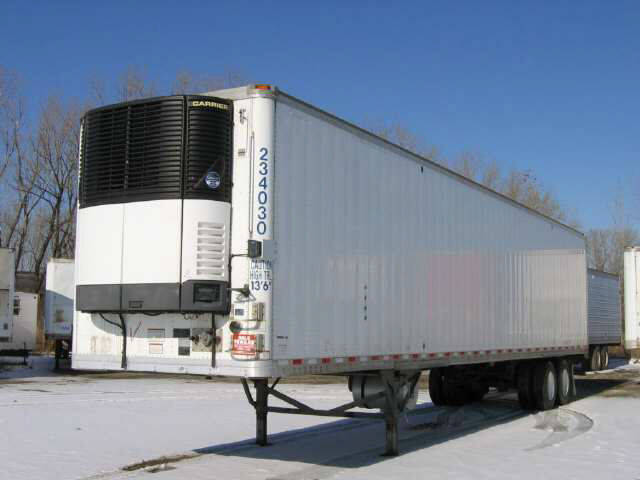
[[247, 233], [632, 300], [7, 290], [58, 305], [604, 326], [25, 323]]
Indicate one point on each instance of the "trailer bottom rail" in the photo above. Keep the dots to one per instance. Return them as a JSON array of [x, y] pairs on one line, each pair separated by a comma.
[[390, 412]]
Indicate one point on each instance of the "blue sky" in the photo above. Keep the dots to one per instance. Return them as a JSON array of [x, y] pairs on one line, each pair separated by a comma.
[[548, 85]]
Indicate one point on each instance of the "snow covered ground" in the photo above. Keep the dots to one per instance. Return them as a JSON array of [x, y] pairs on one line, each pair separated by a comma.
[[90, 426]]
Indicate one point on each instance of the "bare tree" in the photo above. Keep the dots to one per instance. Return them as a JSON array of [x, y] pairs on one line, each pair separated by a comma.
[[97, 91], [395, 132], [191, 83], [40, 220], [134, 84], [55, 160], [605, 246], [12, 113], [469, 164], [491, 176]]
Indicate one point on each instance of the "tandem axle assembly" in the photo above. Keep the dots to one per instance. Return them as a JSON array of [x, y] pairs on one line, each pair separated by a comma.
[[390, 391]]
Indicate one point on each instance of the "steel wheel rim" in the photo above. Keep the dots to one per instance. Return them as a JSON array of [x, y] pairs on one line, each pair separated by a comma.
[[564, 378], [551, 386]]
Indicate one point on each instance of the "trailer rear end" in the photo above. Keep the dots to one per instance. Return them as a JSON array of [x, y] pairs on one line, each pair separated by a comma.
[[632, 300], [58, 305], [604, 318], [7, 291]]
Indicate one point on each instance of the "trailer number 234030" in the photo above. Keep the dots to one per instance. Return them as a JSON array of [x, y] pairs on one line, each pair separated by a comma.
[[263, 196]]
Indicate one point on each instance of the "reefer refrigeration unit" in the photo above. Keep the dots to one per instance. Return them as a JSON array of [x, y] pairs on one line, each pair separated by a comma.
[[244, 232], [632, 299], [604, 318], [7, 285]]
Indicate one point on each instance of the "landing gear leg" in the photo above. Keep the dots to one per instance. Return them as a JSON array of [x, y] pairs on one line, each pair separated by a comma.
[[262, 398], [390, 417]]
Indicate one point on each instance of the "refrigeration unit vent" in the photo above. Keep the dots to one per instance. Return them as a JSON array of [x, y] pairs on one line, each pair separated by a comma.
[[211, 249], [154, 149]]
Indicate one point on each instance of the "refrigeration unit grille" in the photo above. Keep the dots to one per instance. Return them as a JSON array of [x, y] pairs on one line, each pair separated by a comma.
[[161, 148], [208, 153]]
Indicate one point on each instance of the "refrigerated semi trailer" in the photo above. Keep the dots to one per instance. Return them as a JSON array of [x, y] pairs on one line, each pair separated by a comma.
[[247, 233], [632, 300]]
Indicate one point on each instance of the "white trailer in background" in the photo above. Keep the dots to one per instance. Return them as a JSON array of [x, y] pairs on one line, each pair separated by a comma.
[[247, 233], [25, 324], [604, 318], [7, 290], [632, 300], [58, 305]]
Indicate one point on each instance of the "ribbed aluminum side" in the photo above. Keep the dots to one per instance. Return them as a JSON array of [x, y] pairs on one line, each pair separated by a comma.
[[379, 253], [605, 315]]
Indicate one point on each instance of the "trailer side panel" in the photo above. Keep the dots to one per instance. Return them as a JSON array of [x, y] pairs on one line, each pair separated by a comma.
[[382, 254]]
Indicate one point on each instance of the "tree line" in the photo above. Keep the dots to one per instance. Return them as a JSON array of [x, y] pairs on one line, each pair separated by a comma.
[[39, 168]]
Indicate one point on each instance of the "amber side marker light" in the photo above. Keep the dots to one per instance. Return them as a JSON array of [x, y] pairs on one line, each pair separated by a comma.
[[262, 87]]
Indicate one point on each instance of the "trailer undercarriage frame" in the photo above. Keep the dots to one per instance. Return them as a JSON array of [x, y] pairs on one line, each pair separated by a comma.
[[390, 412]]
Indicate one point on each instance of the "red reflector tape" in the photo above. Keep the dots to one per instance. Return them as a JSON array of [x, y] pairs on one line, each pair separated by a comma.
[[297, 361], [326, 360]]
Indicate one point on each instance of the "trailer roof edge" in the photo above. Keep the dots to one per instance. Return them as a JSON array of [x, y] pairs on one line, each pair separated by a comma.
[[248, 91]]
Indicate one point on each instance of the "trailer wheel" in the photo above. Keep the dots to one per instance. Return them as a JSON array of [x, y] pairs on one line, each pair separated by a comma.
[[436, 388], [545, 385], [595, 359], [477, 391], [563, 382], [456, 394], [604, 357], [525, 383]]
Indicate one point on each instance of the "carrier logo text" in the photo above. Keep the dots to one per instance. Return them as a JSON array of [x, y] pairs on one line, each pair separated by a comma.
[[206, 103]]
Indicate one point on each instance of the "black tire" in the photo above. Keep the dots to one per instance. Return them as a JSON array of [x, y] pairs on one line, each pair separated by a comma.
[[563, 382], [477, 391], [525, 383], [594, 364], [436, 390], [544, 385], [604, 357], [455, 394]]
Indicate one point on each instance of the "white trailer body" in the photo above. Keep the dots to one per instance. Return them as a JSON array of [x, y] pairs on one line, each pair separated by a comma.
[[605, 314], [371, 258], [59, 297], [7, 286], [25, 321], [632, 298]]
